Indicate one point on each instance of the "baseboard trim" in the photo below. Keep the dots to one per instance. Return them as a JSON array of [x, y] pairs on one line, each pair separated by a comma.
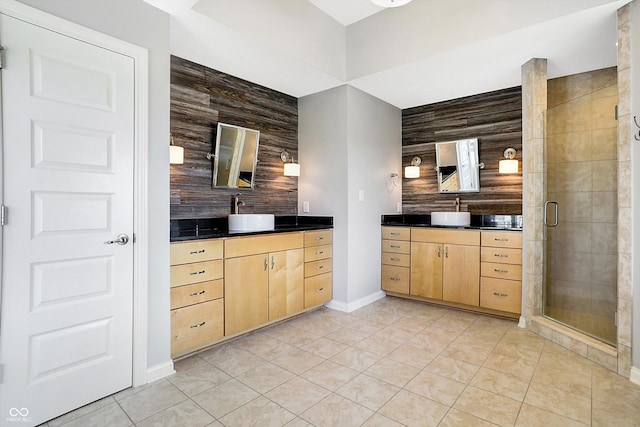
[[159, 371], [634, 377], [352, 306], [522, 323]]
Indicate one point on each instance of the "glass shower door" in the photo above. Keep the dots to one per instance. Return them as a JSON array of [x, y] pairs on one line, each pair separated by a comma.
[[580, 215]]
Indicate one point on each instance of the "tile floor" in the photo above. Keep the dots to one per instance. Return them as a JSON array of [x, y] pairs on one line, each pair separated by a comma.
[[392, 363]]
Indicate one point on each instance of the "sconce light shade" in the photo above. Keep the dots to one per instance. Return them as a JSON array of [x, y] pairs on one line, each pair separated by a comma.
[[413, 171], [510, 165], [291, 169], [176, 155]]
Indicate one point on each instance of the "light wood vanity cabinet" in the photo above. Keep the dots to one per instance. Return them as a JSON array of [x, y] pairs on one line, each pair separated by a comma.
[[396, 259], [318, 267], [501, 271], [445, 265], [197, 316]]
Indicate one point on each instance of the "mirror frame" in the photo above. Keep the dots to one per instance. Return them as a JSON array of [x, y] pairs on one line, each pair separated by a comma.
[[221, 128], [471, 165]]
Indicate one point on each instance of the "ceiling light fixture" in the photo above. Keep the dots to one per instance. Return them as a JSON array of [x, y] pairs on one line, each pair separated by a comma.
[[390, 3]]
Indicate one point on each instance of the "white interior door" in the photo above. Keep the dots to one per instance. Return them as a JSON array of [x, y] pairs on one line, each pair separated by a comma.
[[68, 132]]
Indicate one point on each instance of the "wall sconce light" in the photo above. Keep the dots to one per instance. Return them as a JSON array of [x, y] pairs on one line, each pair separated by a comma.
[[176, 154], [413, 171], [291, 168], [510, 165]]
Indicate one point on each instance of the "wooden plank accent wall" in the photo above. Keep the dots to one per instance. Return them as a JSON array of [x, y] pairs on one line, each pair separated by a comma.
[[495, 118], [200, 98]]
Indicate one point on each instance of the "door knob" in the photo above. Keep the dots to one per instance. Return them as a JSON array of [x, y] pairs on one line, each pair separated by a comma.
[[122, 239]]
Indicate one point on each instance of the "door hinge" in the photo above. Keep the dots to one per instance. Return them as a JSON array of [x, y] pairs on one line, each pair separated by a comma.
[[3, 215], [1, 57]]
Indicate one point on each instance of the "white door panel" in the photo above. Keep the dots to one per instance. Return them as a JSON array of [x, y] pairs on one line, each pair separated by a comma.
[[67, 297]]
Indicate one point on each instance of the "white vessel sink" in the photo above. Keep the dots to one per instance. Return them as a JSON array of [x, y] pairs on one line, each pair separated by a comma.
[[451, 219], [251, 222]]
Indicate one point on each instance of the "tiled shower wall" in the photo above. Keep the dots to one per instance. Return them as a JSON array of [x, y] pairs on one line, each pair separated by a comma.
[[582, 178]]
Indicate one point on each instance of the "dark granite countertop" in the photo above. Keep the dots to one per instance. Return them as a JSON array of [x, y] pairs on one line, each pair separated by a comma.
[[478, 222], [212, 228]]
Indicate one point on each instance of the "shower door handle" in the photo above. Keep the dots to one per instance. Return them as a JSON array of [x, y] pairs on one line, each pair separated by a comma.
[[546, 215]]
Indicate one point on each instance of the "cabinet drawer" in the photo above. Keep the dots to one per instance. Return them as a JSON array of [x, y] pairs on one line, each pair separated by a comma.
[[313, 268], [396, 233], [196, 325], [252, 245], [499, 294], [502, 255], [317, 238], [197, 251], [502, 239], [441, 235], [395, 279], [317, 290], [501, 271], [400, 260], [186, 274], [396, 246], [182, 296], [318, 252]]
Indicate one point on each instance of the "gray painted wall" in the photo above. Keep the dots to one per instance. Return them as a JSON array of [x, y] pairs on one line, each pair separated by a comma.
[[141, 24]]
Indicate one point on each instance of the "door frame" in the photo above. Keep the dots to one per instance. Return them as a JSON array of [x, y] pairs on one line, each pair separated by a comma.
[[140, 166]]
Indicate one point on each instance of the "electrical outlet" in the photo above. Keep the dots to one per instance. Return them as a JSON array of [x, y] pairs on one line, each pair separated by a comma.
[[399, 207], [305, 206]]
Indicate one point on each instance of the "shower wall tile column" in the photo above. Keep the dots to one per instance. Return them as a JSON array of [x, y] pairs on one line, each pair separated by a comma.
[[624, 191], [534, 103]]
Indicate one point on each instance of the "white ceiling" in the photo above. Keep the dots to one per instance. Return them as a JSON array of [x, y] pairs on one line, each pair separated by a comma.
[[424, 52]]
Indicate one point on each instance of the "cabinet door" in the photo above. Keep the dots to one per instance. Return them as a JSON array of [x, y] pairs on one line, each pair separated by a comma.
[[246, 299], [286, 283], [461, 274], [426, 270]]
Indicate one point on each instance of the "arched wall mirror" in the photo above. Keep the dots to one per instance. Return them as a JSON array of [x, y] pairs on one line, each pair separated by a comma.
[[457, 166], [236, 156]]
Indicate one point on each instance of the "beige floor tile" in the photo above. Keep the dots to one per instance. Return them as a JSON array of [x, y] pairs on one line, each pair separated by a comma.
[[347, 336], [488, 406], [396, 333], [518, 366], [265, 377], [413, 410], [292, 335], [456, 418], [335, 410], [82, 411], [616, 391], [454, 369], [530, 416], [330, 375], [297, 395], [410, 323], [567, 380], [232, 360], [194, 375], [367, 391], [183, 414], [412, 356], [298, 361], [265, 346], [368, 326], [605, 415], [392, 372], [356, 358], [378, 344], [566, 404], [325, 348], [435, 387], [431, 341], [378, 420], [235, 395], [297, 422], [500, 383], [469, 354], [260, 412], [110, 415], [151, 400]]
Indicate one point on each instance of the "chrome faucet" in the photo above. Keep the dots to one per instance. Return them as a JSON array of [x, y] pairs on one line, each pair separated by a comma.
[[237, 203], [457, 203]]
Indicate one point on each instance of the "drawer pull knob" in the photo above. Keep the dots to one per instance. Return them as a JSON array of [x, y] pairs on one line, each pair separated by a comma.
[[501, 255], [320, 267], [319, 238], [395, 246], [197, 325], [320, 290], [319, 252], [193, 273], [501, 240], [498, 294], [395, 259], [394, 234], [195, 294], [500, 271], [201, 251], [395, 279]]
